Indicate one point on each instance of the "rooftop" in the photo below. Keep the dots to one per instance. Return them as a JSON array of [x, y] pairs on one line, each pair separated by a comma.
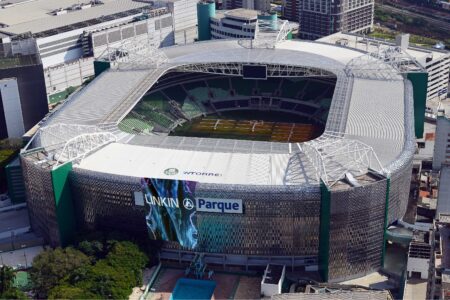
[[19, 60], [443, 205], [445, 246], [337, 294], [371, 44], [36, 16], [242, 13], [260, 163], [273, 274], [415, 289], [26, 11], [207, 167]]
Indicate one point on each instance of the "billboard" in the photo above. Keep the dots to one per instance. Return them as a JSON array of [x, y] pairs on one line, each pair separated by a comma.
[[170, 210], [171, 207]]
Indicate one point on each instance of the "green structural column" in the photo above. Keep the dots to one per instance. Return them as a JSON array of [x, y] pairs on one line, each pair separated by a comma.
[[270, 17], [101, 66], [324, 234], [386, 213], [65, 214], [420, 84], [289, 36], [205, 11]]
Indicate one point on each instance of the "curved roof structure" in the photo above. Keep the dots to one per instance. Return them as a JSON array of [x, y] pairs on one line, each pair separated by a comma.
[[369, 127]]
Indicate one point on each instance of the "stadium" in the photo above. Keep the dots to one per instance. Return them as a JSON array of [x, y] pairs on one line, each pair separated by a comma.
[[297, 153]]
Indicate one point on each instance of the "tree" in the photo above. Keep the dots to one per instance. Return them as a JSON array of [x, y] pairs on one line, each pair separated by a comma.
[[6, 279], [94, 249], [51, 266], [109, 272], [13, 293], [70, 292], [127, 255], [7, 290], [108, 282]]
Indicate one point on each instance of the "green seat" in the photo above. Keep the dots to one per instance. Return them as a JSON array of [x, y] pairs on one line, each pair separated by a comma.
[[242, 87], [176, 93], [134, 125], [201, 94], [220, 83], [290, 87], [268, 86]]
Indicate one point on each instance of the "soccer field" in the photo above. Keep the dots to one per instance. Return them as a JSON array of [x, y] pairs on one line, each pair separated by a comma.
[[248, 130]]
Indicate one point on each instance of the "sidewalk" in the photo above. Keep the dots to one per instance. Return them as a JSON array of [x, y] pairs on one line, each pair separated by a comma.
[[20, 259]]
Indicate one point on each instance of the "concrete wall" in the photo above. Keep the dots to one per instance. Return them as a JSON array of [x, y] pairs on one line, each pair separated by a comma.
[[12, 111], [418, 265], [60, 77]]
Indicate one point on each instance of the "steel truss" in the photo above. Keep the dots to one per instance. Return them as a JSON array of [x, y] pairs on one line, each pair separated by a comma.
[[268, 34], [78, 147], [386, 63], [134, 54], [273, 70], [333, 156], [58, 134]]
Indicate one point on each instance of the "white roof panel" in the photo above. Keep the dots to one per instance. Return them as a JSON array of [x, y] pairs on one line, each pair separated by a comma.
[[41, 20], [201, 166]]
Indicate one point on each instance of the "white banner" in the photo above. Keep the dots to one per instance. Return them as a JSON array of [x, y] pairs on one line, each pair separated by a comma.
[[214, 205]]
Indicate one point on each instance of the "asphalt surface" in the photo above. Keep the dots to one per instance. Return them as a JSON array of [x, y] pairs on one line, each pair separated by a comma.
[[14, 219]]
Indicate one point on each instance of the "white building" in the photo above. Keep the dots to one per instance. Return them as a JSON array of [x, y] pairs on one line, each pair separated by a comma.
[[236, 23], [243, 23], [436, 62], [69, 35], [262, 5], [419, 258], [272, 280]]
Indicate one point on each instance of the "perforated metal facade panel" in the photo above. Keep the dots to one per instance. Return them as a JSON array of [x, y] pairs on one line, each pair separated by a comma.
[[106, 201], [277, 220], [41, 201], [399, 192], [356, 230]]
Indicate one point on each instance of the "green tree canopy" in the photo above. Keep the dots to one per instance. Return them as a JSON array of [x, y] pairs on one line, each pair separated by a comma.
[[7, 290], [99, 271], [50, 266], [6, 279]]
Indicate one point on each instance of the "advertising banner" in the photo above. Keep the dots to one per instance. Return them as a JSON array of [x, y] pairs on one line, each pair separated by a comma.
[[170, 210], [171, 207]]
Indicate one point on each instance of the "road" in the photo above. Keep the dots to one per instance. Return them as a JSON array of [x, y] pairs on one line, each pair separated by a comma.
[[439, 23]]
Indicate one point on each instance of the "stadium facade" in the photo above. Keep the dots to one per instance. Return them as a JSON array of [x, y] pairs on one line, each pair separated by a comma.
[[323, 204]]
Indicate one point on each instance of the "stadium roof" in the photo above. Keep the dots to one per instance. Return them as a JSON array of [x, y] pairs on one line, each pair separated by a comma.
[[366, 43], [202, 166], [369, 124], [35, 16]]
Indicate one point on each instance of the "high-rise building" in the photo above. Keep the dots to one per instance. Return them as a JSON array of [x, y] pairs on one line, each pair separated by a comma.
[[261, 5], [291, 10], [319, 18], [23, 101]]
